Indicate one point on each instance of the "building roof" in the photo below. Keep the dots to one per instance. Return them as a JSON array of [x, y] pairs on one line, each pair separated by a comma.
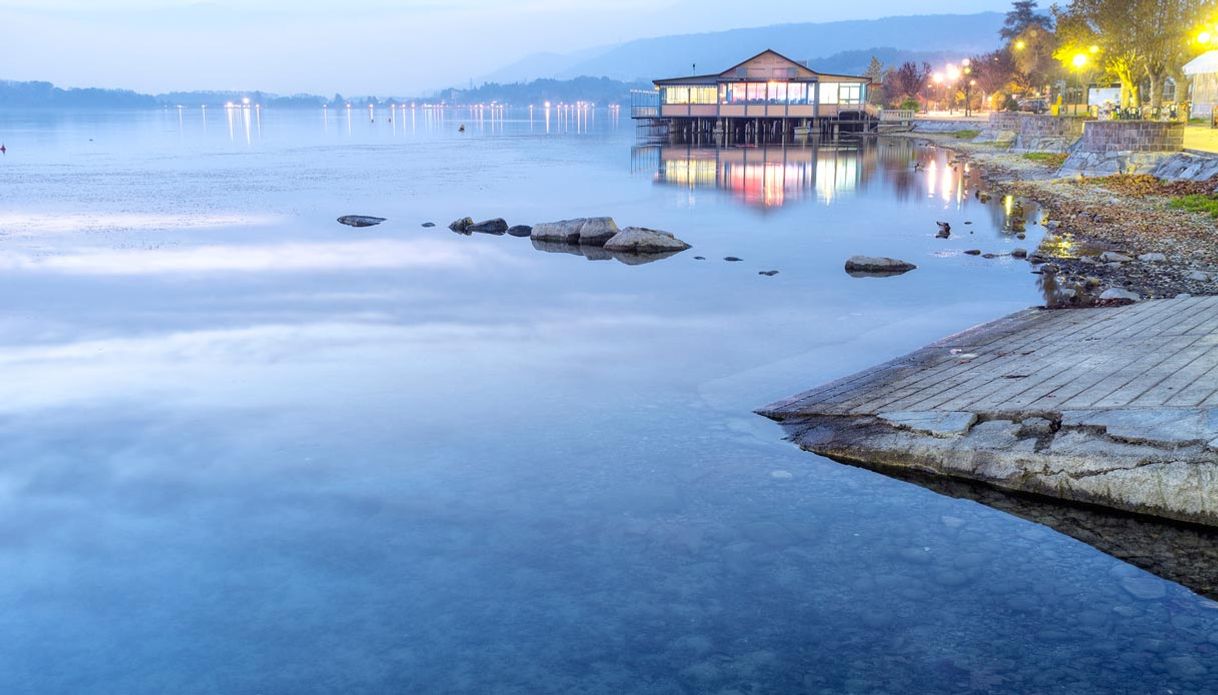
[[731, 73], [1204, 63]]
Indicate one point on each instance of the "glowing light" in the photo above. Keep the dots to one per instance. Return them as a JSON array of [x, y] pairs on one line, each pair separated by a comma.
[[1204, 37], [1079, 61], [1094, 49], [1020, 45]]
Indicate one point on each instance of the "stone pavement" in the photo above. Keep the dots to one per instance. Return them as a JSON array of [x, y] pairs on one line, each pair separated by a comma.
[[1112, 406]]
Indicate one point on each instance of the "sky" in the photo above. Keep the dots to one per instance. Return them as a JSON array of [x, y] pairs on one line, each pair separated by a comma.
[[385, 47]]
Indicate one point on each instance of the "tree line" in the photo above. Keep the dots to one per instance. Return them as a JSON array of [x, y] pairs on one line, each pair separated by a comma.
[[1142, 45]]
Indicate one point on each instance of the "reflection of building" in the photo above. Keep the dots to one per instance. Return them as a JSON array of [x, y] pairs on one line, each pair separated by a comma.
[[767, 97], [766, 177]]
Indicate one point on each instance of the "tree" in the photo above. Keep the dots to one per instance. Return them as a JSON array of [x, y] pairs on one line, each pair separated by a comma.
[[1130, 40], [993, 72], [909, 79], [875, 73], [1022, 17]]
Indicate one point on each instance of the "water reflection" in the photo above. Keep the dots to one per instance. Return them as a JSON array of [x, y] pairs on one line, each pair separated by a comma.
[[771, 177], [1183, 553]]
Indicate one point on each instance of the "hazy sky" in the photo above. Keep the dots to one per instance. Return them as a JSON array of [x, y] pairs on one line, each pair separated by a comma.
[[357, 46]]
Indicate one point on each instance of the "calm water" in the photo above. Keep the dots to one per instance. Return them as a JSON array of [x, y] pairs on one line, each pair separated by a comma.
[[244, 449]]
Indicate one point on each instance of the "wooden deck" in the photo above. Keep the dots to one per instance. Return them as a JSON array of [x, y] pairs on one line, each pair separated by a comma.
[[1095, 405]]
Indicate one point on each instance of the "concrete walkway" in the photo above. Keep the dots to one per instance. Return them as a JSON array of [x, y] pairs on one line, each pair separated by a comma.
[[1112, 406]]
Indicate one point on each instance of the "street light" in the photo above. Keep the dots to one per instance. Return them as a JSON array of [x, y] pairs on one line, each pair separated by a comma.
[[1079, 62]]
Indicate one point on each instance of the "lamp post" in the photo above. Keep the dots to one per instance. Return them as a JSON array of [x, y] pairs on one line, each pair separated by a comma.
[[937, 78], [966, 73], [952, 73], [1079, 63]]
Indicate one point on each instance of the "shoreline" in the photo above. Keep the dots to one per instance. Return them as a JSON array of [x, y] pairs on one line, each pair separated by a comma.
[[1113, 403], [1127, 215]]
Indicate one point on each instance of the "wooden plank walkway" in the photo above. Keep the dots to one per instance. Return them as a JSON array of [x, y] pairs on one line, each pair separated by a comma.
[[1151, 354], [1112, 406]]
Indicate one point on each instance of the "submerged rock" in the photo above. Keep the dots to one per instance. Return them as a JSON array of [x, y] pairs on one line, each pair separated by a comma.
[[643, 240], [360, 220], [877, 265], [520, 230], [768, 273], [1019, 252], [495, 226], [462, 225], [945, 230], [732, 259], [973, 252], [428, 225]]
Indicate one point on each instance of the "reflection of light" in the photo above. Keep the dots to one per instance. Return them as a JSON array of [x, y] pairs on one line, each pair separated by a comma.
[[294, 257], [932, 177], [42, 223]]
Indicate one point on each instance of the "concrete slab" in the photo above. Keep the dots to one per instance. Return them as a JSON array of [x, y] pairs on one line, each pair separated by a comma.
[[1110, 406]]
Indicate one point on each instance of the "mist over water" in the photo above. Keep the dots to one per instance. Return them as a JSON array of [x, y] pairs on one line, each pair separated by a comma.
[[244, 449]]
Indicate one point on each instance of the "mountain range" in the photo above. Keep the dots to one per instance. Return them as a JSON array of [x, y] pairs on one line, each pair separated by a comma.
[[828, 46]]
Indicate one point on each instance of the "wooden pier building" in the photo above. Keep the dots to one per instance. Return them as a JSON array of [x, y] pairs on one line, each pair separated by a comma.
[[767, 98]]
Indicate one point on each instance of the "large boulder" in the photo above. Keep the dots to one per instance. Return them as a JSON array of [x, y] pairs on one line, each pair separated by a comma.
[[643, 240], [495, 226], [597, 230], [565, 231], [462, 225], [360, 220], [875, 265]]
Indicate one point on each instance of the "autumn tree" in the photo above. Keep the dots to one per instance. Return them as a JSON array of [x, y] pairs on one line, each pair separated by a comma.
[[908, 80], [993, 72]]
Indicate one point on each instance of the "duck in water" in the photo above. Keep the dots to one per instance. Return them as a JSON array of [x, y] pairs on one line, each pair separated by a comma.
[[3, 149], [461, 129]]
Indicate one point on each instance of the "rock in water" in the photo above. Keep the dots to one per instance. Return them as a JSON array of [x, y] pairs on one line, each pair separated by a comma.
[[768, 273], [597, 230], [945, 230], [974, 252], [871, 265], [428, 225], [520, 230], [1019, 252], [732, 259], [360, 220], [462, 225], [495, 226], [565, 231], [643, 240]]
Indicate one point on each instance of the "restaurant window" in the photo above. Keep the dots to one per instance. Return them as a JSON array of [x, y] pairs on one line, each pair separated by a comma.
[[737, 93], [828, 94], [676, 95], [777, 93], [850, 93], [797, 93], [756, 92], [703, 95]]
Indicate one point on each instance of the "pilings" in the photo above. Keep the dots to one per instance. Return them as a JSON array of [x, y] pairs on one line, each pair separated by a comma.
[[758, 131]]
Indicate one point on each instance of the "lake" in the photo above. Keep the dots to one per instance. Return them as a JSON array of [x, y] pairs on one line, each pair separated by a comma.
[[245, 449]]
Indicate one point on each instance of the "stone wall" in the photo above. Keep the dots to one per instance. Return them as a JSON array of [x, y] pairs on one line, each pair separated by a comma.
[[1132, 136], [1123, 147], [1029, 132], [1046, 133]]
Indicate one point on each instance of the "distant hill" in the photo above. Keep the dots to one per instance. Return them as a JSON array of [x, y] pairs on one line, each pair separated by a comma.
[[599, 90], [822, 44], [45, 94]]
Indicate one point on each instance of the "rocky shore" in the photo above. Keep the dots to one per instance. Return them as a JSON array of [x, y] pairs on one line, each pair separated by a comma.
[[1170, 250]]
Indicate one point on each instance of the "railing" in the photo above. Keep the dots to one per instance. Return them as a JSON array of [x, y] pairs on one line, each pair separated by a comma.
[[897, 115]]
